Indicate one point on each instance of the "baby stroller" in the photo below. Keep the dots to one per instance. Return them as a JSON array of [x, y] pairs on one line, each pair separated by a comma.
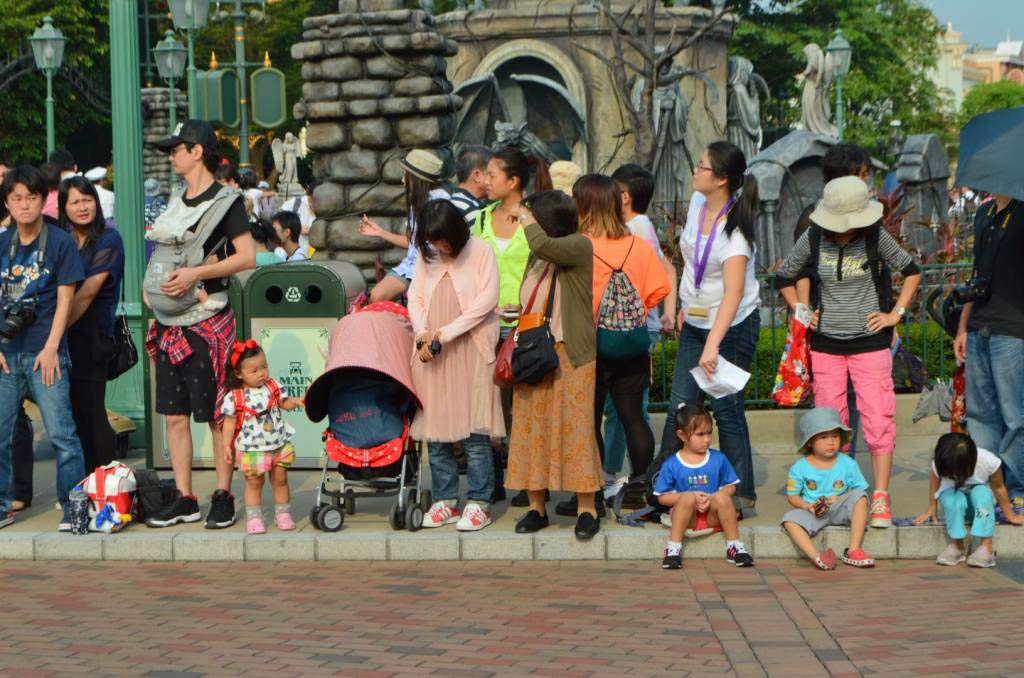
[[367, 395]]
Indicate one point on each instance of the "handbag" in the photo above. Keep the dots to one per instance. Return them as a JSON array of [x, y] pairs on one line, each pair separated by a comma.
[[503, 365], [793, 378], [124, 355], [534, 356]]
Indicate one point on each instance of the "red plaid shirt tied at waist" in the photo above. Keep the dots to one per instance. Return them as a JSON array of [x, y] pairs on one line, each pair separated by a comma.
[[219, 334]]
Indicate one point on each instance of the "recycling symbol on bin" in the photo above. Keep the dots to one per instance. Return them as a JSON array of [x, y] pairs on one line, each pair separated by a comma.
[[293, 295]]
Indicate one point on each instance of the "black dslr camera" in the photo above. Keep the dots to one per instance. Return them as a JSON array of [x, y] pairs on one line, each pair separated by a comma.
[[17, 316], [975, 289]]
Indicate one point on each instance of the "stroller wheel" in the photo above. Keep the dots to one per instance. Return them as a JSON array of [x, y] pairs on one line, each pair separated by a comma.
[[413, 517], [314, 518], [350, 502], [330, 518], [426, 500], [396, 518]]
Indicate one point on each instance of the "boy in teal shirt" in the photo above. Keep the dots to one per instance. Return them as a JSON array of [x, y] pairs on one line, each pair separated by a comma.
[[826, 488]]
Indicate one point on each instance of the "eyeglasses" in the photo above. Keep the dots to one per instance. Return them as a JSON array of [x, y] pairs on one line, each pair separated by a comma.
[[701, 167]]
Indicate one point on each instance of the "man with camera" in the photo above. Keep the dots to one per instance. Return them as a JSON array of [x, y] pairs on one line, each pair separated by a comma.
[[39, 268], [990, 337]]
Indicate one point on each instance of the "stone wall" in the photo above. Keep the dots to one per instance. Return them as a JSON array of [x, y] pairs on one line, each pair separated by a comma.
[[375, 87], [155, 126]]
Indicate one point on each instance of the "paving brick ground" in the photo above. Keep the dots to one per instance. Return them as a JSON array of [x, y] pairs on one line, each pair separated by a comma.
[[191, 620]]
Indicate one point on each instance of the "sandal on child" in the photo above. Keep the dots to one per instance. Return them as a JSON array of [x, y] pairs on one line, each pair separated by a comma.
[[826, 560], [857, 558], [255, 526], [284, 521]]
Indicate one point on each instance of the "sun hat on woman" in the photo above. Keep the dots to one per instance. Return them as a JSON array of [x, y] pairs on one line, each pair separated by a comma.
[[846, 205], [423, 164]]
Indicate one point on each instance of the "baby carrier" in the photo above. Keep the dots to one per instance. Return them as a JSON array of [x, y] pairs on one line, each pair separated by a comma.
[[179, 234]]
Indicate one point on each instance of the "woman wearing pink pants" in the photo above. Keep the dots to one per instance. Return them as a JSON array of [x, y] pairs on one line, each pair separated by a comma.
[[850, 258]]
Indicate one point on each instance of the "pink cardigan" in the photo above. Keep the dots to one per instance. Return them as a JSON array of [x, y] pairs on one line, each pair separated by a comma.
[[474, 274]]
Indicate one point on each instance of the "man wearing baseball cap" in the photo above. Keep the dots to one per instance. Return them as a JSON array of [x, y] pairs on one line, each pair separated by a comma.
[[195, 326]]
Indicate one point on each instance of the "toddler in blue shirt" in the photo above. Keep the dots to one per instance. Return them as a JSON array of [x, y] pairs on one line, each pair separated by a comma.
[[826, 488], [698, 483]]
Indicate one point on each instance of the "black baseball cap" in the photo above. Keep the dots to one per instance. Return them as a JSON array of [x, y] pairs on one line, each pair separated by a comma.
[[190, 132]]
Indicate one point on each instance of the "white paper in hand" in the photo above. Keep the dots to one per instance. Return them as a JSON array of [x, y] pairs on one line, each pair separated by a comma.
[[726, 380]]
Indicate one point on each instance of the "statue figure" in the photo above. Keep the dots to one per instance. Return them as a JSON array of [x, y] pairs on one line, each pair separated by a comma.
[[517, 136], [286, 154], [743, 118], [672, 165], [815, 104]]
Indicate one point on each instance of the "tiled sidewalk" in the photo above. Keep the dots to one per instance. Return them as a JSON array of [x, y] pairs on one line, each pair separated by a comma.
[[505, 619]]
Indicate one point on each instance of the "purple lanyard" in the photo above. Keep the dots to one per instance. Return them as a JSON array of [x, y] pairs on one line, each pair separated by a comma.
[[701, 261]]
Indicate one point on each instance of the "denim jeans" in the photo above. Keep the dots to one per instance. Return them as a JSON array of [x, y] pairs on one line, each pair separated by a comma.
[[55, 405], [444, 472], [737, 347], [978, 505], [614, 434], [995, 400]]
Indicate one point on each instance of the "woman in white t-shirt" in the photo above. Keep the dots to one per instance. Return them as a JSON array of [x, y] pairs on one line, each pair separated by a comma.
[[718, 295]]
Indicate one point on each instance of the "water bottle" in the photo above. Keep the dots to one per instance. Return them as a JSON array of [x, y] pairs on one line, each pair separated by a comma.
[[78, 503]]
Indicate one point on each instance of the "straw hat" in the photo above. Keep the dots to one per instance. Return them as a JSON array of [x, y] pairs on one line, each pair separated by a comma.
[[846, 205], [423, 164]]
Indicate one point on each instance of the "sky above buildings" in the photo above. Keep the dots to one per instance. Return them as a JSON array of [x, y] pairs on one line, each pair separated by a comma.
[[982, 22]]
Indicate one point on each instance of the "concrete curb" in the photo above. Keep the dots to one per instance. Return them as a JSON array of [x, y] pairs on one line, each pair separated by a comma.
[[613, 543]]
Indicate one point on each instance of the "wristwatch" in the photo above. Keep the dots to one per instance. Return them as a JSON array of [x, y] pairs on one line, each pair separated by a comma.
[[900, 311]]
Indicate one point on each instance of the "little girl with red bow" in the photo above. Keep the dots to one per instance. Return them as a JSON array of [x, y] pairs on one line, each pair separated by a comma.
[[260, 441]]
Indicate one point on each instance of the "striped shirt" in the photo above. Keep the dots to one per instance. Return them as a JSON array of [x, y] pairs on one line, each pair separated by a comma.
[[467, 203], [847, 290]]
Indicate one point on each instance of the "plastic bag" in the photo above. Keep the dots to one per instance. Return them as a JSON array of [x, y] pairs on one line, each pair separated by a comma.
[[793, 379], [958, 410]]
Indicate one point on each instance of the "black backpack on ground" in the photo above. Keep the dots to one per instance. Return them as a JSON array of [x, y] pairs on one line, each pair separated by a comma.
[[152, 492]]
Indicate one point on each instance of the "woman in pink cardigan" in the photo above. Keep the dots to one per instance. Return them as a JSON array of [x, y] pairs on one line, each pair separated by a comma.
[[452, 302]]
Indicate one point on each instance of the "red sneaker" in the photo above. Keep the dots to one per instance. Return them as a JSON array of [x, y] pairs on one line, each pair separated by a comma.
[[881, 514]]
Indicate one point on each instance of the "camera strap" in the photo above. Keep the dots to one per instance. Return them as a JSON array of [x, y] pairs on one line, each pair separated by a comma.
[[40, 258]]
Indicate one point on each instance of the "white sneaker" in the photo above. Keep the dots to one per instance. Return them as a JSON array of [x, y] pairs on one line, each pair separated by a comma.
[[612, 486], [474, 518], [953, 555], [440, 514]]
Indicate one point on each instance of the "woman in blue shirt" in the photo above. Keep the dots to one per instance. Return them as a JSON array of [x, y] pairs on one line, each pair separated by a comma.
[[92, 317]]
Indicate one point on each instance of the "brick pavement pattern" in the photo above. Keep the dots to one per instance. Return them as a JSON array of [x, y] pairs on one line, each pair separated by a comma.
[[191, 620]]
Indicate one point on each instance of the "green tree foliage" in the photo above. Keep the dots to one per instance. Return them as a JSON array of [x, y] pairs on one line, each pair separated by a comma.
[[894, 46], [23, 114], [992, 96]]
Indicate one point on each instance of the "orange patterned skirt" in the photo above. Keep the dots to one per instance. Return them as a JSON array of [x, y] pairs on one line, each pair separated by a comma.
[[552, 444]]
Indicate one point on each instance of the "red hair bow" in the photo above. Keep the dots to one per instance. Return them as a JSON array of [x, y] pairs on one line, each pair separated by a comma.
[[239, 348]]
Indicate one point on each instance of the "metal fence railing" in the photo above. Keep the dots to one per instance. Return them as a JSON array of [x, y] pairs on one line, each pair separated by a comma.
[[922, 336]]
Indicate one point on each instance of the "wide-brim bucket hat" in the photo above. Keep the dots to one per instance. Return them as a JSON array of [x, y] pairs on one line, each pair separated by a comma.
[[846, 205], [822, 420]]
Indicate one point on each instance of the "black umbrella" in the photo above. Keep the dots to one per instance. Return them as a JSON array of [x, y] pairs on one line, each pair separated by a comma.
[[990, 153]]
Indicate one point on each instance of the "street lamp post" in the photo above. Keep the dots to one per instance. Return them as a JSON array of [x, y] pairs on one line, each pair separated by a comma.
[[840, 51], [48, 50], [191, 16], [170, 55]]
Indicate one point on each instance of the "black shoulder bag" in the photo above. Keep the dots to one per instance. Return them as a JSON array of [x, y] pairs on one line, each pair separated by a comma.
[[534, 356], [124, 355]]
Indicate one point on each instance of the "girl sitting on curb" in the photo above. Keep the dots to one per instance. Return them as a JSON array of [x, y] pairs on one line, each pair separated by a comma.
[[967, 481]]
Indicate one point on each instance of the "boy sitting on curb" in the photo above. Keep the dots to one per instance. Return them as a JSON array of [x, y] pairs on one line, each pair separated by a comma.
[[826, 488]]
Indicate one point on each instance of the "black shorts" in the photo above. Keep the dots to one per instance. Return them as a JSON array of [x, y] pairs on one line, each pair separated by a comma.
[[189, 387]]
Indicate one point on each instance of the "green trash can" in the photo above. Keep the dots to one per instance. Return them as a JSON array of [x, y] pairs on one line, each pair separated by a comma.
[[291, 309]]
